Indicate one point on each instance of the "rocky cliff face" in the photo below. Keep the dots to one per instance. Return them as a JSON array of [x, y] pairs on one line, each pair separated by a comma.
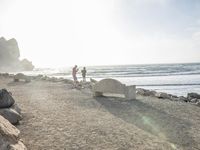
[[9, 57]]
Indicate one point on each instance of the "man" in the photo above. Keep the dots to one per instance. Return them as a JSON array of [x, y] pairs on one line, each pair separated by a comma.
[[84, 74], [74, 71]]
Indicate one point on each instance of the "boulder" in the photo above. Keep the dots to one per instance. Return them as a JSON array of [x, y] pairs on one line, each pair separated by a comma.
[[194, 100], [11, 115], [4, 75], [193, 95], [6, 99], [93, 80], [18, 146], [150, 93], [140, 91], [162, 95], [16, 108], [9, 136], [183, 99], [174, 98], [21, 76], [145, 92], [86, 85], [198, 103]]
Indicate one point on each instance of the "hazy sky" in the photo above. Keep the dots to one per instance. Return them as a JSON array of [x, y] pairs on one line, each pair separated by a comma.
[[54, 33]]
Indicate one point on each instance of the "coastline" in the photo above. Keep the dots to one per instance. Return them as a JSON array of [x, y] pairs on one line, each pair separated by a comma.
[[53, 111]]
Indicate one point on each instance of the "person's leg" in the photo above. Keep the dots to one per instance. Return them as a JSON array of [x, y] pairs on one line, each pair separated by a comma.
[[75, 80]]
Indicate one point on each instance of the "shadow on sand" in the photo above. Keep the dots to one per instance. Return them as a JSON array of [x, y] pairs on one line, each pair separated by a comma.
[[150, 119]]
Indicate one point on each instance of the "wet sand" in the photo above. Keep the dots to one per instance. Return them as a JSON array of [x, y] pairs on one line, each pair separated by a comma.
[[56, 117]]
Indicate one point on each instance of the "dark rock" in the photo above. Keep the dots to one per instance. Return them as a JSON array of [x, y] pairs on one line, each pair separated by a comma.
[[193, 95], [162, 95], [145, 92], [16, 108], [21, 76], [174, 99], [183, 99], [6, 100], [11, 115], [4, 75]]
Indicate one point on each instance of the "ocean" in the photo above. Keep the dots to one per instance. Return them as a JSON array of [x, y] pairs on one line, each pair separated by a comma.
[[178, 79]]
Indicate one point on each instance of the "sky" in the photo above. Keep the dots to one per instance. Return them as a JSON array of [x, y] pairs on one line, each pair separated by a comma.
[[58, 33]]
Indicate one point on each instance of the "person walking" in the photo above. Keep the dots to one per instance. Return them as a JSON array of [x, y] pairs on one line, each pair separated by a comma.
[[84, 74]]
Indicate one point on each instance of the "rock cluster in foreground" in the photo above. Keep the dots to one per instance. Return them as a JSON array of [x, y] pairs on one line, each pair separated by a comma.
[[9, 136], [8, 108]]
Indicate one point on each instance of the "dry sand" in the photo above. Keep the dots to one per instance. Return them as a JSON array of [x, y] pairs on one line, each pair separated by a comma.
[[58, 117]]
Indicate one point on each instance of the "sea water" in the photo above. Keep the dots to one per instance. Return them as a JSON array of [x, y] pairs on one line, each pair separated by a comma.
[[178, 79]]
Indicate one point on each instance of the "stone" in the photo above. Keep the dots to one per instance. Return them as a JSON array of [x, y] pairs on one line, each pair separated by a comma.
[[145, 92], [5, 75], [18, 146], [193, 95], [86, 84], [162, 95], [194, 100], [183, 99], [6, 100], [93, 80], [16, 108], [21, 76], [140, 91], [11, 115], [115, 87], [198, 103], [174, 98], [9, 136]]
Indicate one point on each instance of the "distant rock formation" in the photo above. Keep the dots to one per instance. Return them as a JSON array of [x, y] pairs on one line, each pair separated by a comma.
[[9, 57]]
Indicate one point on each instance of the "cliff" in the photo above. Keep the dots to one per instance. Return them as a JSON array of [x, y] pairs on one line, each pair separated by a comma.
[[9, 57]]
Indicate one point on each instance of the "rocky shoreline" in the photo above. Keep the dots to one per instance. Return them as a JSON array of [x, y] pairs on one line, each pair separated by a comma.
[[192, 98], [17, 144]]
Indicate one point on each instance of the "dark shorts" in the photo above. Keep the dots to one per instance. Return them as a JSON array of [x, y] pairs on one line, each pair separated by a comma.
[[75, 78]]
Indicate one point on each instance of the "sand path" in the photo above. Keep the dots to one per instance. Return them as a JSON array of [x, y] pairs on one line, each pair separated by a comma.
[[58, 117]]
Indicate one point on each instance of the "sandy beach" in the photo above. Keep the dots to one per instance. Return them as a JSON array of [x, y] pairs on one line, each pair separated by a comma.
[[58, 117]]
